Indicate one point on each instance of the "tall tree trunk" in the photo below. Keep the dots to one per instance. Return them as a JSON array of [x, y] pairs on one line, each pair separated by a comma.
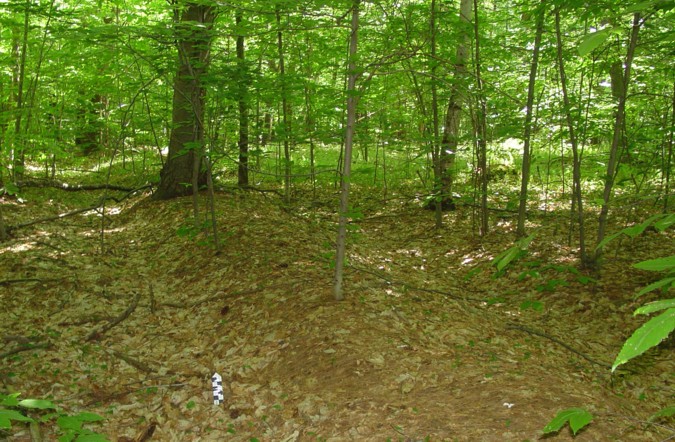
[[243, 81], [284, 111], [453, 114], [19, 152], [482, 130], [577, 202], [435, 147], [619, 119], [668, 158], [187, 129], [522, 208], [352, 101]]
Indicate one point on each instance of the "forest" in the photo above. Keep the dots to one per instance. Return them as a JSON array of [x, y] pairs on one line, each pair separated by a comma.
[[309, 220]]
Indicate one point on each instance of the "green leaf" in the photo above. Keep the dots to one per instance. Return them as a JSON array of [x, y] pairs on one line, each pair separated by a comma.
[[606, 240], [9, 400], [655, 306], [591, 41], [657, 265], [578, 418], [69, 423], [38, 404], [6, 416], [646, 337], [666, 412], [664, 223], [665, 282], [89, 417]]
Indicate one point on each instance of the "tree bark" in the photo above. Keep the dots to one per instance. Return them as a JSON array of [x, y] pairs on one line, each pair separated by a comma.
[[481, 124], [284, 110], [453, 113], [243, 104], [352, 101], [619, 119], [18, 148], [435, 147], [187, 130], [577, 201], [525, 179]]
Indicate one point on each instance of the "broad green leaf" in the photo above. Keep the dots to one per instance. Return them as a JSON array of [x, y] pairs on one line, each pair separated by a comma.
[[665, 282], [666, 412], [69, 423], [578, 418], [655, 306], [606, 240], [6, 416], [9, 400], [657, 265], [38, 404], [591, 41], [94, 437], [639, 7], [664, 223], [646, 337]]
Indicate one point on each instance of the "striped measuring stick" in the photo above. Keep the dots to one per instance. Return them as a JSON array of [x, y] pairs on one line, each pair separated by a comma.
[[217, 386]]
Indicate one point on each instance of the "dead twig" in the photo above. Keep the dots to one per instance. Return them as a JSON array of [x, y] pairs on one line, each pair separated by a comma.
[[138, 365], [557, 341], [96, 334], [26, 347]]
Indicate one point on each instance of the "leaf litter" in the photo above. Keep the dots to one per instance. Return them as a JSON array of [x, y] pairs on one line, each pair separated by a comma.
[[418, 351]]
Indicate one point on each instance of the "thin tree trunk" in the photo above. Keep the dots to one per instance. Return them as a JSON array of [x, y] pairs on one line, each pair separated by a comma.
[[284, 110], [669, 161], [18, 156], [435, 146], [482, 130], [577, 202], [522, 209], [243, 105], [352, 101], [613, 161]]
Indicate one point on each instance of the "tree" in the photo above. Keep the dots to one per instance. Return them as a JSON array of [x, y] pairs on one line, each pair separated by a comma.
[[450, 140], [243, 82], [525, 173], [620, 82], [182, 172], [352, 101]]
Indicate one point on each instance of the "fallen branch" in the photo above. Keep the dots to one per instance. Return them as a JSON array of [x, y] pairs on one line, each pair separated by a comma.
[[72, 187], [8, 282], [96, 334], [26, 347], [138, 365], [76, 211], [559, 342]]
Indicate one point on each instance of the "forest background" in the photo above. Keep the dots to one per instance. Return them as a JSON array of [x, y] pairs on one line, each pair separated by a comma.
[[507, 112]]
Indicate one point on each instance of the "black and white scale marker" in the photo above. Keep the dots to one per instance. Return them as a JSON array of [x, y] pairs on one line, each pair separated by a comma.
[[217, 385]]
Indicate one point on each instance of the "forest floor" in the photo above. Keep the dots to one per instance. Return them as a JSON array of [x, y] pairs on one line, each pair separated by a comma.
[[428, 345]]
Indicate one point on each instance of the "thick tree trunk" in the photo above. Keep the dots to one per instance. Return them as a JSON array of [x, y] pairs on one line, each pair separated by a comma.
[[187, 130], [525, 179], [453, 114], [352, 101]]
